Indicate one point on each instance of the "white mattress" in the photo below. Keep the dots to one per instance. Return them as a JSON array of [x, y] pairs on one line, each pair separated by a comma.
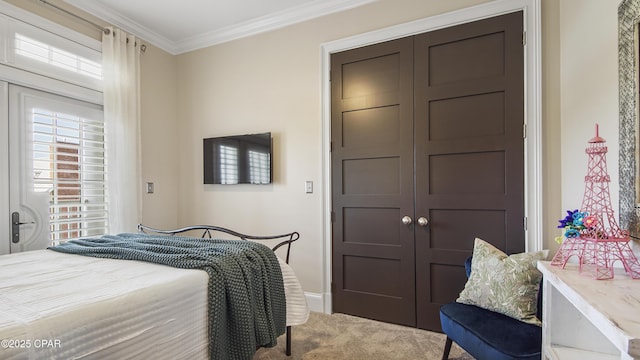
[[62, 306]]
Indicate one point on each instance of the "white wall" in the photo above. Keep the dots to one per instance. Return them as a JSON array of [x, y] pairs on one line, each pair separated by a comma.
[[589, 87], [160, 146]]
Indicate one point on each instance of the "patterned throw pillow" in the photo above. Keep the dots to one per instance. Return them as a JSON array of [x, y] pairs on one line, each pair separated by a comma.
[[505, 284]]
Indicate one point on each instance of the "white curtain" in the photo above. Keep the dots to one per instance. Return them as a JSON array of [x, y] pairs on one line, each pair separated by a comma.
[[121, 73]]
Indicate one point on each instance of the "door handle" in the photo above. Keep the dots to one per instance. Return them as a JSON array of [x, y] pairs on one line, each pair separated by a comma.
[[406, 220], [15, 226], [422, 221]]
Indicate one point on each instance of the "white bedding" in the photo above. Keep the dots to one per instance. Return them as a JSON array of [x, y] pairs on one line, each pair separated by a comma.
[[62, 306]]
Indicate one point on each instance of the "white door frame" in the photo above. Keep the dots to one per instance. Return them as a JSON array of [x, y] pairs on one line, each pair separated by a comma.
[[5, 221], [532, 106]]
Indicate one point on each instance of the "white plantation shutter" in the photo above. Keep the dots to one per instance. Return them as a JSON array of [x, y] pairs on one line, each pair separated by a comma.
[[69, 165]]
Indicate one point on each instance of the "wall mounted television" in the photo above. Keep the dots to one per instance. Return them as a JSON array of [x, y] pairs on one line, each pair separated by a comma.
[[239, 159]]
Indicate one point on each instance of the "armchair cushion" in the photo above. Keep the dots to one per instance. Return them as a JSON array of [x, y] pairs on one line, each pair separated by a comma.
[[486, 334]]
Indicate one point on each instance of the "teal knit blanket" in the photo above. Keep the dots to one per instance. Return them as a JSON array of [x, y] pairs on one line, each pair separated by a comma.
[[246, 306]]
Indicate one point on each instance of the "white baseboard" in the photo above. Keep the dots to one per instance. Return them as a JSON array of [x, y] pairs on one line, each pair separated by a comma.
[[317, 302]]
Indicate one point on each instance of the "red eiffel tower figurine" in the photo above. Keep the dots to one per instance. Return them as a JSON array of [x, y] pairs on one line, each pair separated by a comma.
[[601, 242]]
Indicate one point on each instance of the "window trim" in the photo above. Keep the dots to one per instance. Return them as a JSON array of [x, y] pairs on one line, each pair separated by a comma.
[[36, 81], [48, 25]]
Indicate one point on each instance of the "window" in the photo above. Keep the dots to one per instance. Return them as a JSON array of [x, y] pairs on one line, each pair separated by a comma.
[[71, 58], [39, 51]]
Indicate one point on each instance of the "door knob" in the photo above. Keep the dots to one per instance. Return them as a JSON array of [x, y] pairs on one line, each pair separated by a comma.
[[406, 220], [422, 221]]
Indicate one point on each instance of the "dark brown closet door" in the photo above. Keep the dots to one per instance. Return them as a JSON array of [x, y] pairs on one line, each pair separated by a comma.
[[469, 117], [372, 182]]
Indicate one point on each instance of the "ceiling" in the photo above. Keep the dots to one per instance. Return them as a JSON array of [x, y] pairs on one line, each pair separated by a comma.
[[179, 26]]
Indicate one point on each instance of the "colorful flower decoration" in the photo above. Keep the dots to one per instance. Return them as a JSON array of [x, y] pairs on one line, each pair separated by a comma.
[[571, 233], [574, 223], [590, 221]]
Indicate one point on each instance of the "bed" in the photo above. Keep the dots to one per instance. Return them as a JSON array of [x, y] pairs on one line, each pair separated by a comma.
[[56, 305]]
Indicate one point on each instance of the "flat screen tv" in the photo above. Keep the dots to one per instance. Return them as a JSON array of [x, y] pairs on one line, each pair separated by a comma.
[[240, 159]]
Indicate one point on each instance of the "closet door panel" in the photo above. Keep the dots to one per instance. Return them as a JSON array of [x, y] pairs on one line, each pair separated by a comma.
[[469, 147], [372, 182]]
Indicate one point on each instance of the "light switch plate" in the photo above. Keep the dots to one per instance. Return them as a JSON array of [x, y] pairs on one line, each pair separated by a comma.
[[308, 187], [149, 188]]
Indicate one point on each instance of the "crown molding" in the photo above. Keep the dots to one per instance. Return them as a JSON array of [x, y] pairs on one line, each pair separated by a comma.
[[244, 29], [119, 20], [269, 22]]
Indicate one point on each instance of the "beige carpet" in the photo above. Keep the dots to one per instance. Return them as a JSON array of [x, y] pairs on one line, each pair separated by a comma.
[[339, 336]]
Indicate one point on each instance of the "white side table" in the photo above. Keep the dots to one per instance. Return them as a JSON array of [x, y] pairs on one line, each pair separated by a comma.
[[584, 318]]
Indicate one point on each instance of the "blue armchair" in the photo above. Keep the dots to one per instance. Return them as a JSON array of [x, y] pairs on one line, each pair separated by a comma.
[[488, 335]]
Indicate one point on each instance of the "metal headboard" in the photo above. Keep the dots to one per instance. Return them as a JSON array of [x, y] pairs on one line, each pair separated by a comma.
[[208, 229]]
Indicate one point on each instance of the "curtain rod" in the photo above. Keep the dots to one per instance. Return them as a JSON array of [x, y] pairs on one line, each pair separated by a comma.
[[105, 30], [99, 27]]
